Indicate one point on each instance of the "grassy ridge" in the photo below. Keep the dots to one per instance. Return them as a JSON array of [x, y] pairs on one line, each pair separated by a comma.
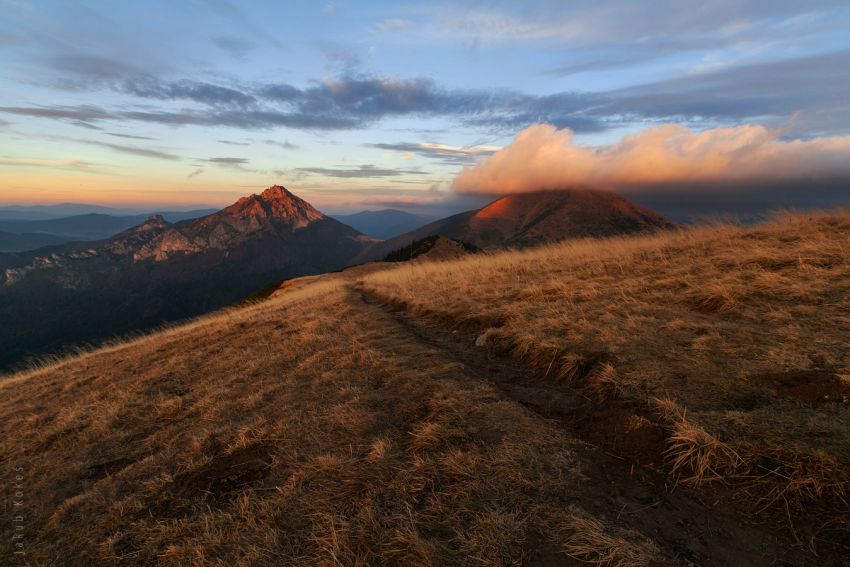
[[318, 427], [733, 339], [295, 431]]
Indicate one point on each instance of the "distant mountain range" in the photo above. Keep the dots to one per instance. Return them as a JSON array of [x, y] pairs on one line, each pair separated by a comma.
[[22, 235], [385, 223], [159, 271], [14, 242], [44, 212]]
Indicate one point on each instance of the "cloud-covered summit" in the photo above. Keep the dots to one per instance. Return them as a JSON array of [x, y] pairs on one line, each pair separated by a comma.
[[544, 157]]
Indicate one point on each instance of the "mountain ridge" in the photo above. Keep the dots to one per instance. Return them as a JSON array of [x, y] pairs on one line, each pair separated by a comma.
[[528, 219], [159, 271], [85, 227]]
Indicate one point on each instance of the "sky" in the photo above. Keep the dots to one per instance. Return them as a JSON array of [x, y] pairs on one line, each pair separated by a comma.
[[423, 105]]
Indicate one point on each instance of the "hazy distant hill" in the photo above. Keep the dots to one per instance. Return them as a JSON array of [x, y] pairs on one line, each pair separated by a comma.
[[90, 226], [12, 242], [44, 212], [159, 271], [385, 223]]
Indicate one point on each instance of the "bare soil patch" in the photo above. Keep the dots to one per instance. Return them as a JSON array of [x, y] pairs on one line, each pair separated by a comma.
[[808, 386]]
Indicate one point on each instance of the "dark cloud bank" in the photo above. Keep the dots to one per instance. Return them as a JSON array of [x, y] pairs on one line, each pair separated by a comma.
[[813, 89]]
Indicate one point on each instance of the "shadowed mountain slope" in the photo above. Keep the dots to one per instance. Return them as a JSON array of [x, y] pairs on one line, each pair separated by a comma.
[[18, 242], [158, 271]]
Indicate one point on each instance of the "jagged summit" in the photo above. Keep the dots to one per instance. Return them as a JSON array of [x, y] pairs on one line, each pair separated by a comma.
[[276, 205], [154, 224], [278, 192], [155, 221]]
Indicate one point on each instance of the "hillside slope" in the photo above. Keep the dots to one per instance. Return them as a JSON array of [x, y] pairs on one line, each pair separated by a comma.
[[531, 219], [533, 407], [159, 271]]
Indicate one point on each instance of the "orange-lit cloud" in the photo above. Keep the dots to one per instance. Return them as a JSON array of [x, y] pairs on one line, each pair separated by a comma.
[[543, 157]]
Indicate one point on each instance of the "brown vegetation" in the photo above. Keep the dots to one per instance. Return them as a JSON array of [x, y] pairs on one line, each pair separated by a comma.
[[741, 331], [320, 427]]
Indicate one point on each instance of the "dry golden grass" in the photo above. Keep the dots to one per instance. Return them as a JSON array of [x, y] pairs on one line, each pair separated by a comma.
[[693, 452], [303, 430], [314, 428], [587, 540], [743, 329]]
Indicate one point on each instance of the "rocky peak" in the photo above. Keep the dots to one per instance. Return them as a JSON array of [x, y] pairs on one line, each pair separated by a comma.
[[275, 205], [284, 205], [277, 192], [152, 223], [155, 220]]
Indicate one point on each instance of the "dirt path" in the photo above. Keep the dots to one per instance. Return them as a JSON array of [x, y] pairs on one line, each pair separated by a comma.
[[622, 452]]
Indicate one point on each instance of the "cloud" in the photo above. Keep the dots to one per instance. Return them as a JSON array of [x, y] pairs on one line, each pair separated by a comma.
[[598, 63], [133, 150], [195, 173], [362, 100], [344, 103], [130, 136], [544, 157], [658, 25], [228, 161], [442, 152], [232, 143], [286, 145], [86, 125], [367, 170], [204, 93], [245, 119], [66, 164], [82, 113], [813, 88]]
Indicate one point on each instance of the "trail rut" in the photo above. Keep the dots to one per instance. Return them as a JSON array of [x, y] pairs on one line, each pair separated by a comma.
[[625, 481]]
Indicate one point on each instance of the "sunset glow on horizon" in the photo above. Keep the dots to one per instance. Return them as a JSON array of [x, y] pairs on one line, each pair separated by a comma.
[[416, 106]]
